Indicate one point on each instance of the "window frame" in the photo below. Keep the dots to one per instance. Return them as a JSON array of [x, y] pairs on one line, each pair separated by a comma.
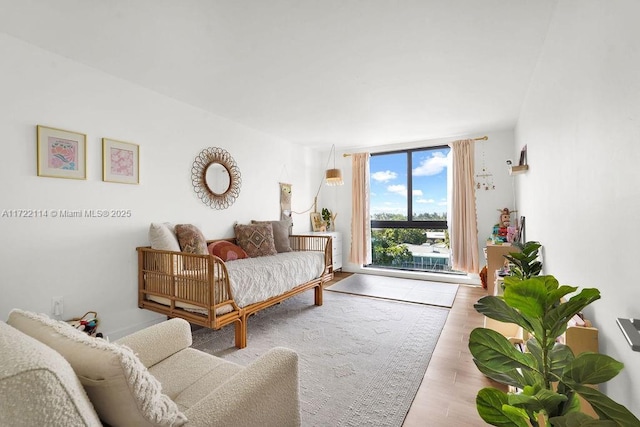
[[410, 223]]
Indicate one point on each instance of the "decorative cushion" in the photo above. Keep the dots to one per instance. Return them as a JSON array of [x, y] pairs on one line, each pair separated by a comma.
[[227, 251], [255, 239], [119, 386], [280, 233], [162, 237], [191, 239]]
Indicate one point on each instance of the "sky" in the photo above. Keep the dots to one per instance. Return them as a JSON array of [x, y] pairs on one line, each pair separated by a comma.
[[389, 185]]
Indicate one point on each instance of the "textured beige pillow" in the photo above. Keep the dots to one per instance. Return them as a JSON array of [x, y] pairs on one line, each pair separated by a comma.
[[191, 239], [255, 239], [119, 386], [280, 233], [162, 237]]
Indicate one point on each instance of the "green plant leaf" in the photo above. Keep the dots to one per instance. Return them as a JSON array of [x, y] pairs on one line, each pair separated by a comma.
[[509, 280], [533, 347], [496, 308], [513, 377], [592, 368], [497, 353], [579, 419], [522, 399], [528, 296], [549, 401], [490, 403], [556, 319], [557, 294], [518, 416], [533, 378], [560, 357], [542, 400], [604, 406]]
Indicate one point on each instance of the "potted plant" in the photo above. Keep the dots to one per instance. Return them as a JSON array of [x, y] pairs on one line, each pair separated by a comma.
[[525, 263], [326, 216], [548, 375]]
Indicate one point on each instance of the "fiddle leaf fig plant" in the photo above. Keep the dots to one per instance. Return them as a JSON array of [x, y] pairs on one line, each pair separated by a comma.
[[525, 262], [548, 376]]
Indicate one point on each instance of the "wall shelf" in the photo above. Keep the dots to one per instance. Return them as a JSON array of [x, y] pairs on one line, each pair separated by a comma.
[[631, 330], [518, 169]]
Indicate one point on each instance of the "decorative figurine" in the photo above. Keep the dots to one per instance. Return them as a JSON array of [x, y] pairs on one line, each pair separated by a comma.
[[503, 231]]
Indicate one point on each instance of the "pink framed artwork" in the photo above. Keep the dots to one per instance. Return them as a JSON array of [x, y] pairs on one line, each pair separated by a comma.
[[61, 153], [120, 162]]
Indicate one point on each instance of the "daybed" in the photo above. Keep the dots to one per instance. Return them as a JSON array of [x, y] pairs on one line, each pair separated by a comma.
[[54, 375], [209, 291]]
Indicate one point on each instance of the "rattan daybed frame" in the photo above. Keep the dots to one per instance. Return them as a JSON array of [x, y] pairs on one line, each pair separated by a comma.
[[201, 284]]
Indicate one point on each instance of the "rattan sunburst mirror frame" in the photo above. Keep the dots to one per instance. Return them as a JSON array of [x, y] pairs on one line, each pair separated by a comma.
[[215, 156]]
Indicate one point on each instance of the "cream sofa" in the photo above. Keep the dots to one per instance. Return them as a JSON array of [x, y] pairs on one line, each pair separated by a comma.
[[53, 375]]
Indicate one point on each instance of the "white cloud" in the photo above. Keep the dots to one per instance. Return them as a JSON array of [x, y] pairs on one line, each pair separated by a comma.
[[432, 165], [397, 189], [384, 176], [425, 201], [402, 190]]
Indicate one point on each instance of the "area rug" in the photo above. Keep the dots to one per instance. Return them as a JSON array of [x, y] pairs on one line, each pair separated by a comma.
[[409, 290], [361, 360]]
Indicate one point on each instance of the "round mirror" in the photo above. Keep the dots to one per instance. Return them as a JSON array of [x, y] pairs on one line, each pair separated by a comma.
[[216, 178]]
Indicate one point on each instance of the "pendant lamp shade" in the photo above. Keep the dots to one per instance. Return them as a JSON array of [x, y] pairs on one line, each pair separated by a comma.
[[334, 177]]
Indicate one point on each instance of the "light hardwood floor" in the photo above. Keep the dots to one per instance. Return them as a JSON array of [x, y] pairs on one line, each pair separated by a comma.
[[448, 391], [447, 395]]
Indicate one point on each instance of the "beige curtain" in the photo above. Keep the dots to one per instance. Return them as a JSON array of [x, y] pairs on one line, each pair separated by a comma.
[[360, 219], [463, 226]]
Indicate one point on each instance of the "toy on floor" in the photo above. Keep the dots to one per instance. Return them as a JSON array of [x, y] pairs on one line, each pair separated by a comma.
[[87, 323]]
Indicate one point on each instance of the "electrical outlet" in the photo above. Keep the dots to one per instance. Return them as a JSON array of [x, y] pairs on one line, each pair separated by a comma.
[[57, 306]]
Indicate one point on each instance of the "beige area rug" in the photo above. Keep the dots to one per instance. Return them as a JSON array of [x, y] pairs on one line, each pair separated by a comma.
[[361, 360], [409, 290]]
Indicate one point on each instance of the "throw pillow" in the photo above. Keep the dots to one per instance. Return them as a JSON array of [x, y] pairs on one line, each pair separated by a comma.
[[256, 239], [119, 386], [162, 237], [280, 233], [191, 239], [227, 251]]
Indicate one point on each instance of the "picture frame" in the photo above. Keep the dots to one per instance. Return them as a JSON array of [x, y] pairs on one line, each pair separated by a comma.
[[120, 161], [317, 223], [61, 153]]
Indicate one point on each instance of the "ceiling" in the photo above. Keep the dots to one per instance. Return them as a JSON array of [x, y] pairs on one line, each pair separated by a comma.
[[314, 72]]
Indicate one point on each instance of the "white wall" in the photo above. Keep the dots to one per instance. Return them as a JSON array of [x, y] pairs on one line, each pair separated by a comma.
[[581, 197], [495, 152], [92, 262]]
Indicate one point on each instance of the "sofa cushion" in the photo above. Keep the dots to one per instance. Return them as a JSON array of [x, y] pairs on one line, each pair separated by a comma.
[[226, 250], [280, 233], [119, 386], [191, 239], [162, 237], [38, 386], [256, 239], [189, 367]]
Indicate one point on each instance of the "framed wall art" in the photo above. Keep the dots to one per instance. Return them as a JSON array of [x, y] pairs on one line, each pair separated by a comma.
[[61, 153], [120, 162]]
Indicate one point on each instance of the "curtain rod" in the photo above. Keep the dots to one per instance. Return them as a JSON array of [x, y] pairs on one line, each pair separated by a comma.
[[480, 138]]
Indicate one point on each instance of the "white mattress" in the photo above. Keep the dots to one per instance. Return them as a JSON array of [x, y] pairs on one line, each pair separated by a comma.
[[258, 279]]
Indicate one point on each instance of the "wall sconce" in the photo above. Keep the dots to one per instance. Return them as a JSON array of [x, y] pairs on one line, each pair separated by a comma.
[[333, 176]]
